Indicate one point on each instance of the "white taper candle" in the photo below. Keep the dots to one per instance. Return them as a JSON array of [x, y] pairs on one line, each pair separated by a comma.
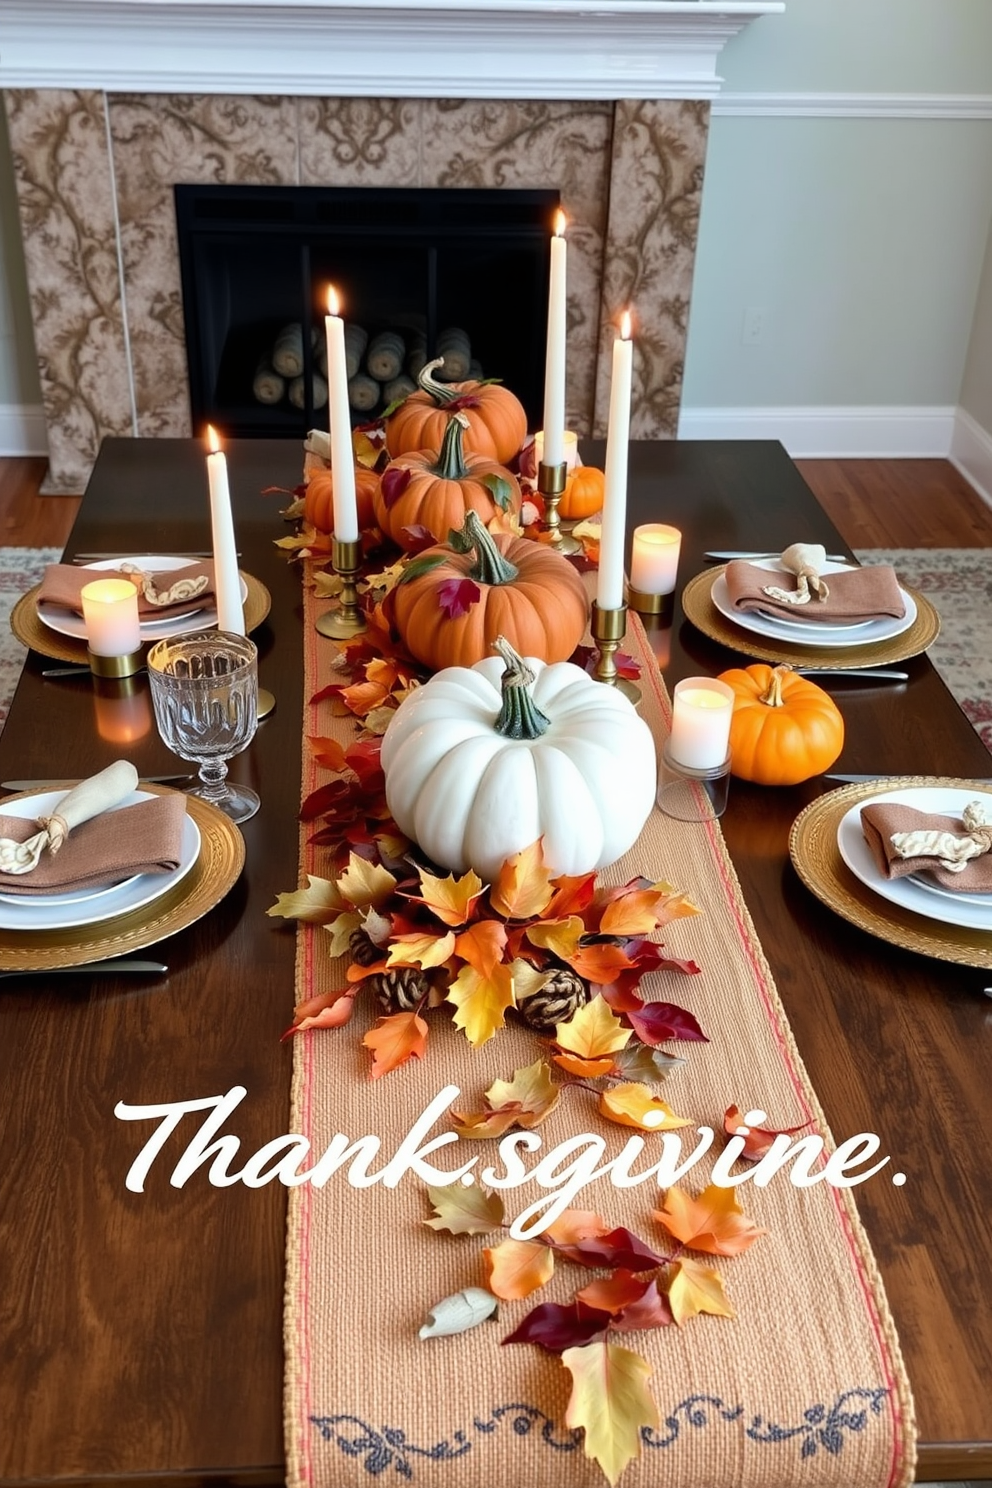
[[342, 453], [609, 588], [227, 580]]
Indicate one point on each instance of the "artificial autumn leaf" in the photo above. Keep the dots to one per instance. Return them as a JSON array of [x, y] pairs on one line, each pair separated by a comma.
[[610, 1401], [341, 929], [652, 1310], [366, 884], [573, 1225], [759, 1138], [713, 1222], [485, 1124], [366, 453], [532, 1088], [592, 1032], [328, 753], [516, 1268], [557, 1327], [661, 1022], [572, 895], [394, 1040], [560, 937], [452, 899], [459, 1312], [482, 945], [326, 798], [465, 1211], [613, 1293], [457, 596], [319, 902], [384, 671], [640, 1062], [336, 1016], [600, 963], [395, 480], [377, 720], [618, 1248], [696, 1288], [481, 1001], [361, 697], [586, 1069], [420, 949], [523, 885], [633, 914], [527, 979], [634, 1105]]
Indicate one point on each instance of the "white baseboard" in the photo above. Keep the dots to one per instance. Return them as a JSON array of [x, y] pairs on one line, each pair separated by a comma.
[[971, 453], [840, 433], [22, 429]]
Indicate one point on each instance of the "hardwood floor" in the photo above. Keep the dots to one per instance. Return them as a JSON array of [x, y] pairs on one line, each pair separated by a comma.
[[873, 504]]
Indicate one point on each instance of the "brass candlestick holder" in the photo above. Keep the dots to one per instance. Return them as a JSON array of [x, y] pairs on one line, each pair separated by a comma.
[[347, 620], [608, 629], [116, 667], [660, 607], [550, 484]]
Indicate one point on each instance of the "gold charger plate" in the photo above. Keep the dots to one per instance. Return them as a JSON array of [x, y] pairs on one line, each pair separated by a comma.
[[32, 631], [700, 609], [816, 858], [216, 870]]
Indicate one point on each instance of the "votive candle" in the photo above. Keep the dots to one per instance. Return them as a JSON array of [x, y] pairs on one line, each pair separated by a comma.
[[570, 448], [701, 712], [654, 558], [344, 500], [609, 588], [554, 370], [110, 616], [227, 579]]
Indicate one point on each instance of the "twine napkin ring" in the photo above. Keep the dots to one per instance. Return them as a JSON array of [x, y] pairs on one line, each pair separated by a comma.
[[180, 590], [87, 799], [953, 852], [806, 560]]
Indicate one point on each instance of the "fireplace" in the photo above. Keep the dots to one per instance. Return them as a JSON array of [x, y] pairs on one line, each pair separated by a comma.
[[461, 273]]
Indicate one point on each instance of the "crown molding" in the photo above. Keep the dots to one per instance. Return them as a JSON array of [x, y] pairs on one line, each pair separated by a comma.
[[576, 49], [854, 105]]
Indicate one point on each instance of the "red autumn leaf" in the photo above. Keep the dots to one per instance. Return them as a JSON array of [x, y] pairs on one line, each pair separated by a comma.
[[395, 480], [661, 1022], [573, 894], [330, 691], [618, 1248], [557, 1327], [324, 799], [417, 538], [622, 995], [587, 656], [650, 955], [394, 1040], [652, 1310], [364, 757], [327, 752], [760, 1138], [457, 596]]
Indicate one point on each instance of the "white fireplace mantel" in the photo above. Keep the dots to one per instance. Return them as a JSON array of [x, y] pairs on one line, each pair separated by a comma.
[[578, 49]]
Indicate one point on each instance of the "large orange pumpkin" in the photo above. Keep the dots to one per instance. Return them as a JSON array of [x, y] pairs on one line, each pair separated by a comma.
[[784, 728], [435, 490], [583, 493], [497, 422], [318, 501], [529, 593]]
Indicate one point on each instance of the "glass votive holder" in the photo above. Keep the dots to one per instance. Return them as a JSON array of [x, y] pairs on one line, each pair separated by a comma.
[[692, 794], [654, 563], [113, 628], [571, 448]]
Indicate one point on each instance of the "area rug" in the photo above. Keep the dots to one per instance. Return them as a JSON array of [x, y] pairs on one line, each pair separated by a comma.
[[958, 581], [20, 570]]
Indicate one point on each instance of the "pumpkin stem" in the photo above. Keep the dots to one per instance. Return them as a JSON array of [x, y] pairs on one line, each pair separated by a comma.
[[519, 717], [772, 696], [450, 464], [441, 393], [490, 567]]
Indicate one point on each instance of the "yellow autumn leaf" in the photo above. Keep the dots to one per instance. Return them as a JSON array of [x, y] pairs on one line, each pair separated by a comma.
[[481, 1001], [319, 902], [713, 1221], [532, 1087], [523, 886], [517, 1267], [696, 1288], [365, 884], [451, 899], [377, 720], [610, 1401], [465, 1211], [527, 979], [593, 1031], [366, 453], [327, 585], [484, 1124], [417, 949], [560, 937], [341, 930], [632, 1104]]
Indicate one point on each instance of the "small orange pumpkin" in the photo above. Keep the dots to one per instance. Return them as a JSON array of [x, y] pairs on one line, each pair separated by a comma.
[[318, 501], [583, 493], [435, 490], [784, 728], [530, 594], [497, 420]]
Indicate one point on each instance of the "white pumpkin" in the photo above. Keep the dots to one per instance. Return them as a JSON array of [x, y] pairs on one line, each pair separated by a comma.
[[482, 761]]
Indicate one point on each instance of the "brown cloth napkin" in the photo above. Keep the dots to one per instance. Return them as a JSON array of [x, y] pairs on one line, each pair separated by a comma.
[[63, 584], [855, 594], [882, 820], [144, 838]]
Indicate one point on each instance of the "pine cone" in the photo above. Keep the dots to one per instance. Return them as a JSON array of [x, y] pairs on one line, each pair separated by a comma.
[[400, 989], [562, 995], [363, 949]]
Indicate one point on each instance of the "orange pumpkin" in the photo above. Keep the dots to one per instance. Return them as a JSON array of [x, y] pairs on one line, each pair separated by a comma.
[[530, 594], [784, 728], [497, 422], [583, 493], [435, 490], [318, 502]]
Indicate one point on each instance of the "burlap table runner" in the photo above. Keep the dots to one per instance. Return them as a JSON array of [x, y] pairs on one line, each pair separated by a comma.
[[805, 1386]]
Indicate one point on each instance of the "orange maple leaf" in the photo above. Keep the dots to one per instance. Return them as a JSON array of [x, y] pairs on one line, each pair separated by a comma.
[[394, 1040], [573, 1225], [523, 886], [599, 963], [586, 1069], [327, 752], [517, 1267], [362, 697], [482, 945], [713, 1222]]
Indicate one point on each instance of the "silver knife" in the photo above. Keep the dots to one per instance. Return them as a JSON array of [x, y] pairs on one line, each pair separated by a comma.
[[96, 557], [19, 785], [78, 671], [882, 674], [727, 555], [886, 775], [125, 964]]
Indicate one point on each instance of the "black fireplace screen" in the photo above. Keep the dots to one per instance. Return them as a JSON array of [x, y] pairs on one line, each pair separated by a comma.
[[421, 273]]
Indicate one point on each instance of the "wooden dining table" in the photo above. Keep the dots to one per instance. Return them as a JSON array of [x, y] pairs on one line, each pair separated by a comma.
[[141, 1333]]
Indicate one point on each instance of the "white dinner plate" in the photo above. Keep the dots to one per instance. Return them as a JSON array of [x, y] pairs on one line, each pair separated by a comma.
[[134, 893], [76, 896], [971, 912], [67, 622], [812, 633], [933, 887]]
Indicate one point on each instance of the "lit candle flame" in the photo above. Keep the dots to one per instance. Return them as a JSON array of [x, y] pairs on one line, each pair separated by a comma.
[[625, 326], [333, 303], [212, 440], [560, 223]]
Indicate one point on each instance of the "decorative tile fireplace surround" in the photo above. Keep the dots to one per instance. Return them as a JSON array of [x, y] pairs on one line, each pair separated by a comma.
[[111, 102]]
